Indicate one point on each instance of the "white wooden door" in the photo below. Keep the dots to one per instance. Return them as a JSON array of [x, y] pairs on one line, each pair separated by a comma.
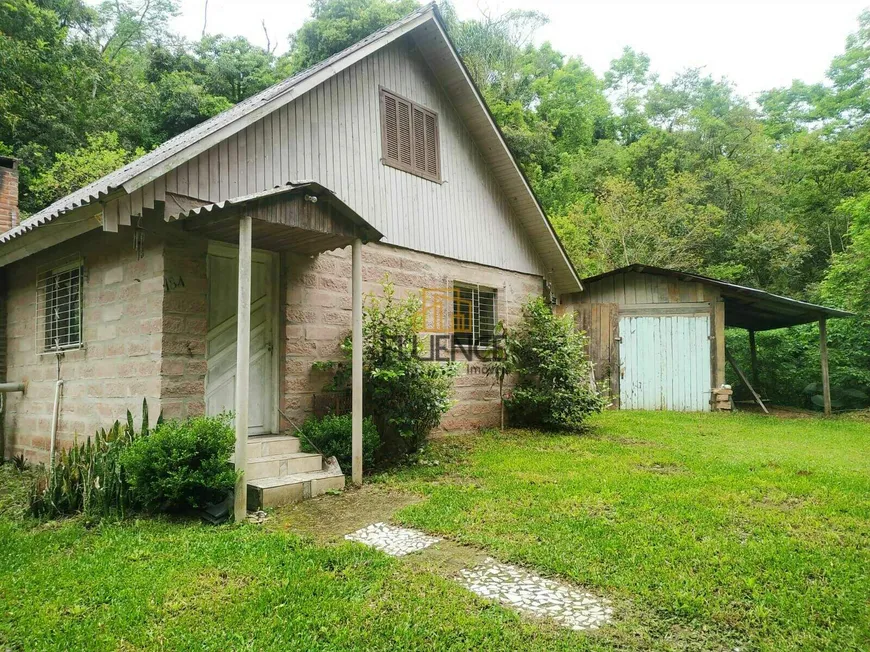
[[665, 363], [220, 384]]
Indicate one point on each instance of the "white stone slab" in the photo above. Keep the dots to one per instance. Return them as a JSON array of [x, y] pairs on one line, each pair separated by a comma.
[[524, 591], [395, 541]]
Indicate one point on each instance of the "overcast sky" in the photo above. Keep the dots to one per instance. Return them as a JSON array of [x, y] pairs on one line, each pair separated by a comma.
[[757, 45]]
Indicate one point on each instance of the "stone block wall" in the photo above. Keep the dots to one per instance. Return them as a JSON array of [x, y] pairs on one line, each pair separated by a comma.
[[185, 328], [145, 330], [119, 364], [318, 316]]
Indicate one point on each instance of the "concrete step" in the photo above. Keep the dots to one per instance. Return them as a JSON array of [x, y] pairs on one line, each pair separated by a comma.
[[265, 445], [275, 491], [278, 466]]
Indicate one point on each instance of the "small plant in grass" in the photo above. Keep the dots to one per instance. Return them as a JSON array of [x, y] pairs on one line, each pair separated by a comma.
[[183, 464], [501, 363], [89, 478], [553, 387], [331, 436]]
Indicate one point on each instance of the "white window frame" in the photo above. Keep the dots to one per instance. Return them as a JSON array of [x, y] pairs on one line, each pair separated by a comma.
[[47, 277], [476, 289]]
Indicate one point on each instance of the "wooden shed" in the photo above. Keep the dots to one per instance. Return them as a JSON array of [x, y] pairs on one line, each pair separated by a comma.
[[657, 336]]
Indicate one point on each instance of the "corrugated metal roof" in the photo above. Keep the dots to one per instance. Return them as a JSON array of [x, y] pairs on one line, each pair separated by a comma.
[[292, 187], [115, 180], [511, 177], [753, 308]]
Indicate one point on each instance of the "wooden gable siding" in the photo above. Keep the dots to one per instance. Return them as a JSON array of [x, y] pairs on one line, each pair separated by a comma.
[[332, 135], [603, 302], [633, 288]]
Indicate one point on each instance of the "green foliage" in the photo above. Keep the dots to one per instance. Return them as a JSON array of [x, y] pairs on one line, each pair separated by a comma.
[[631, 168], [405, 395], [501, 363], [182, 464], [337, 24], [331, 437], [69, 172], [553, 389], [90, 478]]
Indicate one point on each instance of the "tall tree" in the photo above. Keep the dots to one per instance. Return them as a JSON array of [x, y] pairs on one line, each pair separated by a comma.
[[337, 24]]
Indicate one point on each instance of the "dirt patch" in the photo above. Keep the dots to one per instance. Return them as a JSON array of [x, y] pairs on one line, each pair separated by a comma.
[[630, 441], [662, 468], [329, 517], [782, 411]]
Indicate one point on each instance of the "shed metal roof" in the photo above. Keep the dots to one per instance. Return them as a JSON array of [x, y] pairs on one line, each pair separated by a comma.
[[745, 307]]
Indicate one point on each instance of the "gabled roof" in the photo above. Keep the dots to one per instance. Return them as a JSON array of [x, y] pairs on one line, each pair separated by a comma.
[[745, 307], [427, 29], [126, 177]]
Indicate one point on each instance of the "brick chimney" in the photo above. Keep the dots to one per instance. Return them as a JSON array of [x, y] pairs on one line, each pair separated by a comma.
[[8, 193]]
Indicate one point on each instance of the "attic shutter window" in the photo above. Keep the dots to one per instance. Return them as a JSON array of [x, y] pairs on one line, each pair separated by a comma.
[[410, 137]]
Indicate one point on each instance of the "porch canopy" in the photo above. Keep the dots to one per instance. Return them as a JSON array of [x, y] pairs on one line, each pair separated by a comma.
[[303, 218]]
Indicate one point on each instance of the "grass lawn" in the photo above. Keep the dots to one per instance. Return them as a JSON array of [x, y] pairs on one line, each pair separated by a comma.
[[710, 530], [706, 531]]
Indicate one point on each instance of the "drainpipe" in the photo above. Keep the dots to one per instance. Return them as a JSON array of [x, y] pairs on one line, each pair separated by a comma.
[[58, 386]]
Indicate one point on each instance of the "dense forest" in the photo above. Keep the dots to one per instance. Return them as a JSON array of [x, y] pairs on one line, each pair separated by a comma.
[[682, 173]]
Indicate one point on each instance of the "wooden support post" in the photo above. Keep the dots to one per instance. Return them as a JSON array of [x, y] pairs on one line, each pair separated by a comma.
[[357, 364], [243, 355], [753, 358], [745, 380], [719, 342], [823, 350]]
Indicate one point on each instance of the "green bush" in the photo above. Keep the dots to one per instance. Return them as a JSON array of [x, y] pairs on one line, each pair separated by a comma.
[[405, 395], [331, 436], [553, 389], [183, 464], [89, 478]]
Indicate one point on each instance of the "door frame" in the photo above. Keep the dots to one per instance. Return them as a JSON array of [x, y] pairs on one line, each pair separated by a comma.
[[218, 247]]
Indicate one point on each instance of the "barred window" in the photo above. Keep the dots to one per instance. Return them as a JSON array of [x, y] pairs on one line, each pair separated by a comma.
[[59, 307], [474, 314]]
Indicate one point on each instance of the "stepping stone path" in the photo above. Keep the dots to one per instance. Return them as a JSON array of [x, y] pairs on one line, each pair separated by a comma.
[[395, 541], [512, 586], [535, 595]]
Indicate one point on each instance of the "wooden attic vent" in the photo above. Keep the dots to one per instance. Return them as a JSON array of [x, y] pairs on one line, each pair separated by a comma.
[[410, 138]]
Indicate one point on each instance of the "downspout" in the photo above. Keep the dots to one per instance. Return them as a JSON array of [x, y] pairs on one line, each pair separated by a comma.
[[58, 386]]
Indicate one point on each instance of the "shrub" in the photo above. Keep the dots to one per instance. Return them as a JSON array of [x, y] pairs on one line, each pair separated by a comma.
[[553, 389], [331, 436], [405, 395], [89, 478], [183, 464]]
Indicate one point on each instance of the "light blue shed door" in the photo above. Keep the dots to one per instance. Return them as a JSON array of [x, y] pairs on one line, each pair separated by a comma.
[[665, 363]]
